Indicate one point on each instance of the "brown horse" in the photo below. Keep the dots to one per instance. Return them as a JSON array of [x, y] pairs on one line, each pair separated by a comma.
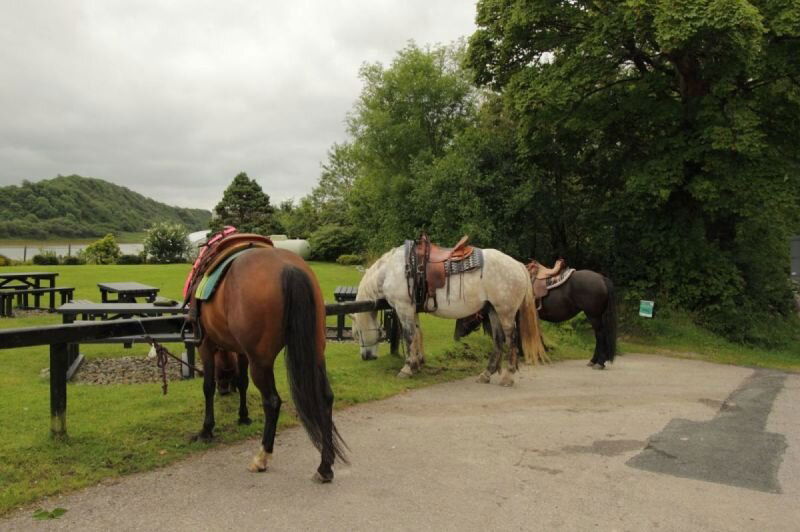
[[268, 299]]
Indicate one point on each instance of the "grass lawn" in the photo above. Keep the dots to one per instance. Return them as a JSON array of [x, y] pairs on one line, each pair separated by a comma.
[[119, 429]]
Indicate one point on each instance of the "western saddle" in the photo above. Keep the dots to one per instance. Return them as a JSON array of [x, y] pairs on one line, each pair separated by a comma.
[[220, 246], [544, 278], [429, 267]]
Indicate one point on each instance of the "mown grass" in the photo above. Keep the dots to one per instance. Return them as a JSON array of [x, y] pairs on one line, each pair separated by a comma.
[[119, 429]]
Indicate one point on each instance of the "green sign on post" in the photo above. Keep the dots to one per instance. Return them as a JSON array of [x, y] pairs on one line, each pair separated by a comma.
[[646, 308]]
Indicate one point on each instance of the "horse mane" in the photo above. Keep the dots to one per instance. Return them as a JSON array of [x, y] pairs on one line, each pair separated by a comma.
[[371, 285]]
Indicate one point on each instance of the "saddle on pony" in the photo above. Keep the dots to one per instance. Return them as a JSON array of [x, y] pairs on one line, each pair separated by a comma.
[[545, 279], [429, 267], [210, 266]]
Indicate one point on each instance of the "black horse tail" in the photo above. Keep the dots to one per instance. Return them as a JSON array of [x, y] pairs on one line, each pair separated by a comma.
[[308, 379], [609, 318]]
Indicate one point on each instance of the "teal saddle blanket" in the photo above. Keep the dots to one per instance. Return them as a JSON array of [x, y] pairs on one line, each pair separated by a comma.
[[208, 284]]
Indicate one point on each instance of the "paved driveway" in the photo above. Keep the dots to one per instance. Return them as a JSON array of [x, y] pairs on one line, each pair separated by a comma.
[[653, 443]]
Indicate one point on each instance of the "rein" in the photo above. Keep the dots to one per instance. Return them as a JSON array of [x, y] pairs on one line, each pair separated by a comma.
[[161, 358]]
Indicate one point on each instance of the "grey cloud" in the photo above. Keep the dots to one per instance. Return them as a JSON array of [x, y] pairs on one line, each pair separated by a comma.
[[173, 99]]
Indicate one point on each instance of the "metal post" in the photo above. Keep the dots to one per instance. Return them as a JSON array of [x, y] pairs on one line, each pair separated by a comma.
[[58, 390]]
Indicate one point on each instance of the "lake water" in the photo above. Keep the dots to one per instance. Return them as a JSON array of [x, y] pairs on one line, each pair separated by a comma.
[[18, 252]]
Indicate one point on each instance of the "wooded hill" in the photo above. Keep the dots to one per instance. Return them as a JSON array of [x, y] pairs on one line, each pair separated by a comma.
[[75, 206]]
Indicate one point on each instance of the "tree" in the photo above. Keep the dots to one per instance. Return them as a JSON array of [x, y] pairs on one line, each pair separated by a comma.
[[406, 116], [674, 124], [166, 243], [245, 206], [103, 251]]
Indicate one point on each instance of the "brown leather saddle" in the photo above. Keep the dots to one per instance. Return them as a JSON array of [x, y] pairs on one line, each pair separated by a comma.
[[544, 279], [429, 267], [214, 256]]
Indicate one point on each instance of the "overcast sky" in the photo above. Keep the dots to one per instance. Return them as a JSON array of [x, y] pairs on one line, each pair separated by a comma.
[[173, 98]]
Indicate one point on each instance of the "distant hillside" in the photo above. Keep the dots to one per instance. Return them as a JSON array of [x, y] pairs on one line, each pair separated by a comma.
[[75, 206]]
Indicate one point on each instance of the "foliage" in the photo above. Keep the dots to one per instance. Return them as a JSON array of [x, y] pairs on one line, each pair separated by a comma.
[[133, 259], [5, 261], [45, 257], [660, 143], [245, 206], [75, 206], [42, 515], [103, 251], [73, 260], [350, 260], [330, 241], [166, 242], [406, 117]]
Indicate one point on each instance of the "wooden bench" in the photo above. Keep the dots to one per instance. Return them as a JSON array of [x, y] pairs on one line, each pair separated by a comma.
[[22, 297]]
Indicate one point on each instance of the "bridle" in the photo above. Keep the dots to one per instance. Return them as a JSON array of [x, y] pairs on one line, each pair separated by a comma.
[[358, 336]]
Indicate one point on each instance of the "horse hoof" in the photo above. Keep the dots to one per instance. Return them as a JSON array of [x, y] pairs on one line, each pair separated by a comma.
[[483, 378], [598, 366], [405, 372], [320, 479], [508, 383], [204, 437], [260, 461], [245, 421], [253, 468], [590, 364], [369, 356]]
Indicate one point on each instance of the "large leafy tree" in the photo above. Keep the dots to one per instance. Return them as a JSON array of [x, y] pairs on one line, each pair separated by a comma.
[[406, 117], [675, 123], [245, 206]]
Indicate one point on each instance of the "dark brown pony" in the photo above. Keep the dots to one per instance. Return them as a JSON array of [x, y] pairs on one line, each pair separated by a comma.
[[270, 299], [585, 291]]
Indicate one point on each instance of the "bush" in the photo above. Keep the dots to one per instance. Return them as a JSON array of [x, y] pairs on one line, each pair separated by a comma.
[[166, 243], [330, 241], [5, 261], [349, 260], [130, 259], [72, 260], [103, 251], [46, 258]]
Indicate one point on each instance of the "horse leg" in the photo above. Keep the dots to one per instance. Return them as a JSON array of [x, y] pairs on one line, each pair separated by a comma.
[[498, 339], [264, 379], [511, 342], [598, 360], [412, 336], [241, 384], [207, 352]]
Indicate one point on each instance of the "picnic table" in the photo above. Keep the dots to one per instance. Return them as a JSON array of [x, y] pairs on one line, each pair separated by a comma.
[[127, 292], [24, 284], [88, 310]]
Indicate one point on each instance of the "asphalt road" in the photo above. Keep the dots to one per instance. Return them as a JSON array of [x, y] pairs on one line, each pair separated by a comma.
[[652, 444]]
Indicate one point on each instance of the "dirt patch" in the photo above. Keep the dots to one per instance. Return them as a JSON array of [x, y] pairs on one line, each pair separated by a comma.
[[124, 370]]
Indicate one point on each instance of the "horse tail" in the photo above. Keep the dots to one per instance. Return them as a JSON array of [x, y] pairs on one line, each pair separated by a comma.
[[609, 319], [305, 366], [530, 335]]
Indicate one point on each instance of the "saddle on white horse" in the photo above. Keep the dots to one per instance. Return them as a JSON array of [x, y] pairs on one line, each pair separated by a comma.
[[429, 268]]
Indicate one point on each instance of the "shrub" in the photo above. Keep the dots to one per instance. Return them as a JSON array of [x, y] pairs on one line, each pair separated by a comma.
[[330, 241], [103, 251], [45, 258], [349, 260], [5, 261], [129, 259], [72, 260], [167, 242]]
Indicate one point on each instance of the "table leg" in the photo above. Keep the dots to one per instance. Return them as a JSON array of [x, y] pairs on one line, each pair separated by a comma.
[[73, 350], [190, 358], [37, 283]]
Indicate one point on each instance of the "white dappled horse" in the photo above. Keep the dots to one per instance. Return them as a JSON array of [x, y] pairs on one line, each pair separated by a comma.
[[503, 282]]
